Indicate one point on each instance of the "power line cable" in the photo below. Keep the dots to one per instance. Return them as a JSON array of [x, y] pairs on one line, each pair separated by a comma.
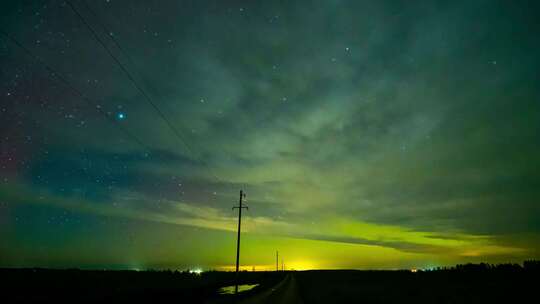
[[106, 29], [139, 88], [64, 80]]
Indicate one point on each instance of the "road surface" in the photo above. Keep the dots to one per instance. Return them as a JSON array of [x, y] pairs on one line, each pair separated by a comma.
[[284, 292]]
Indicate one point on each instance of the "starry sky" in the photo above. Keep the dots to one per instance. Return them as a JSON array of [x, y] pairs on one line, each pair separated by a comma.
[[366, 134]]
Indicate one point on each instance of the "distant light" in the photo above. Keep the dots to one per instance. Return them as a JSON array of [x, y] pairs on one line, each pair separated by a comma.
[[196, 271], [414, 270], [121, 115]]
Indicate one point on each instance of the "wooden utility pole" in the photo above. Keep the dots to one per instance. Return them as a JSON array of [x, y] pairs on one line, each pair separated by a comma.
[[277, 259], [239, 207]]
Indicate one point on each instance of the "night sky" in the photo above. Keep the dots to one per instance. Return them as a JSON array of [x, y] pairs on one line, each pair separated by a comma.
[[366, 134]]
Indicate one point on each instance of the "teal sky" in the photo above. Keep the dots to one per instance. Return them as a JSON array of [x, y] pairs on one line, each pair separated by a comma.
[[366, 134]]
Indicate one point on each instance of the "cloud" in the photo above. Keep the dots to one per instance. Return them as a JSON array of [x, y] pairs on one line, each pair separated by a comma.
[[421, 117]]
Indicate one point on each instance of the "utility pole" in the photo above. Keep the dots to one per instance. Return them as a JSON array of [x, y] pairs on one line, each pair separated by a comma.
[[239, 207], [277, 259]]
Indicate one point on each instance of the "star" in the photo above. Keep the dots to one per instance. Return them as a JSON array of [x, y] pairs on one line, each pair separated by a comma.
[[121, 116]]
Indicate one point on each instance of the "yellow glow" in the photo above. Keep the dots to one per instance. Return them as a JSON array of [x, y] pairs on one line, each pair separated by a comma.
[[335, 243]]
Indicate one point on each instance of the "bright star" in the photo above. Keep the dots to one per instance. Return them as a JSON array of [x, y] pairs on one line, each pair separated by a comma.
[[121, 116]]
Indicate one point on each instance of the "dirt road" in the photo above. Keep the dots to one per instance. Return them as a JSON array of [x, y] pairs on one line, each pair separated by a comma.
[[284, 292]]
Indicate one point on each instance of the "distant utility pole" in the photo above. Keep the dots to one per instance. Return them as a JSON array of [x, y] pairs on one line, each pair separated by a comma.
[[239, 207], [277, 259]]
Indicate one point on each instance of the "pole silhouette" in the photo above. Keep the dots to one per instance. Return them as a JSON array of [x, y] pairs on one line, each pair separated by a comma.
[[239, 207], [277, 259]]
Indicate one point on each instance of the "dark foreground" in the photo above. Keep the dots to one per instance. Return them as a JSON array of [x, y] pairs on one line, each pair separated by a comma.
[[469, 284], [91, 286], [444, 286]]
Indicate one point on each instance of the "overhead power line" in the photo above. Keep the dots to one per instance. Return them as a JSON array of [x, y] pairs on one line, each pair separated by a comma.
[[171, 126], [64, 80], [107, 30]]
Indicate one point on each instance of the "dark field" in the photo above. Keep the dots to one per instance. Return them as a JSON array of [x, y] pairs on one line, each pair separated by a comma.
[[513, 285], [466, 284], [76, 286]]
